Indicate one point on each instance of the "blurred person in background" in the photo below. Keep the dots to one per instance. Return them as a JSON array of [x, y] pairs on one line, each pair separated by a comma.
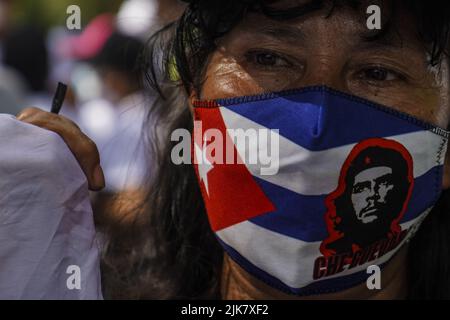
[[5, 20], [25, 70], [63, 68], [12, 91], [25, 51], [107, 102], [113, 117], [141, 18], [121, 146], [12, 86]]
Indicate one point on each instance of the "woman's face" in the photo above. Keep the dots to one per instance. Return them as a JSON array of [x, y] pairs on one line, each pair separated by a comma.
[[263, 55]]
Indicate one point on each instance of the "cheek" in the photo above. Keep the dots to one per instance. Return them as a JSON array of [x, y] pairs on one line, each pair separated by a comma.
[[425, 102], [225, 78], [433, 104]]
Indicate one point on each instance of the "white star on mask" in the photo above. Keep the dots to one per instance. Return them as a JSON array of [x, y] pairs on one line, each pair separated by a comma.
[[204, 166]]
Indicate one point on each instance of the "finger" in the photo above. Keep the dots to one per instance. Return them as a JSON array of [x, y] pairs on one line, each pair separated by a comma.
[[83, 148]]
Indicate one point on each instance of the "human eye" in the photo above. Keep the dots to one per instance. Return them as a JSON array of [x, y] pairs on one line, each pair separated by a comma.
[[379, 75], [267, 59]]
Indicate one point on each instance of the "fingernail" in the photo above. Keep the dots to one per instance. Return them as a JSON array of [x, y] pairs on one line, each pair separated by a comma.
[[99, 177]]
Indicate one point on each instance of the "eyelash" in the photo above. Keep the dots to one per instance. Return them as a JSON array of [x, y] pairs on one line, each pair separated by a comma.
[[255, 55], [395, 76]]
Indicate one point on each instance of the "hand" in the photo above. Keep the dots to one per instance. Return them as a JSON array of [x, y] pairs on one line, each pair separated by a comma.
[[83, 148]]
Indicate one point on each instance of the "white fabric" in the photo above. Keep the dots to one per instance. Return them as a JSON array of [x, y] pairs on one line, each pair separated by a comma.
[[278, 254], [46, 222], [292, 174], [118, 132]]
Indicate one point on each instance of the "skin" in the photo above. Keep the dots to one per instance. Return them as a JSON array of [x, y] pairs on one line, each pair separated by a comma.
[[83, 148], [261, 55]]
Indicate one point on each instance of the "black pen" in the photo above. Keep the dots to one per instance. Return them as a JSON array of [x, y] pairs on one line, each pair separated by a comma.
[[58, 99]]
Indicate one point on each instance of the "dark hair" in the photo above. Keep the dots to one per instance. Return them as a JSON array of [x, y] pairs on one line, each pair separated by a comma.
[[120, 52], [25, 50], [177, 255]]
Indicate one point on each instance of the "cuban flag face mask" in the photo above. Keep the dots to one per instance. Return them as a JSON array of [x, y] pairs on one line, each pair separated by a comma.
[[349, 183]]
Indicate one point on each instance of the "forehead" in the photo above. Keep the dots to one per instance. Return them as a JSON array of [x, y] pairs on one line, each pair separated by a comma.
[[330, 23], [372, 173]]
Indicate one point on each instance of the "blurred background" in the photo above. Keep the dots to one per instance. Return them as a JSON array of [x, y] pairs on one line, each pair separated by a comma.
[[40, 45]]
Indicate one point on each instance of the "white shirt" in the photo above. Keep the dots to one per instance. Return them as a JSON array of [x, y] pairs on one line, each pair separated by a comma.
[[48, 245]]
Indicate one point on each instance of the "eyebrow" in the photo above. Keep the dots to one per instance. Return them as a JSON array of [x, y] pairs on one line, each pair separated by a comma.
[[283, 33], [367, 39]]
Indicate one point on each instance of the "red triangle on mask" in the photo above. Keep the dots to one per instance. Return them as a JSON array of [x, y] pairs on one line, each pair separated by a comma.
[[230, 192]]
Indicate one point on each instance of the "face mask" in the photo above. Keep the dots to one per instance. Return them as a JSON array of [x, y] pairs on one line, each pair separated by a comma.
[[350, 183]]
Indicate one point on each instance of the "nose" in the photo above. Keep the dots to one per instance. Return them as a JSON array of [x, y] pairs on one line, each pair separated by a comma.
[[325, 69]]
